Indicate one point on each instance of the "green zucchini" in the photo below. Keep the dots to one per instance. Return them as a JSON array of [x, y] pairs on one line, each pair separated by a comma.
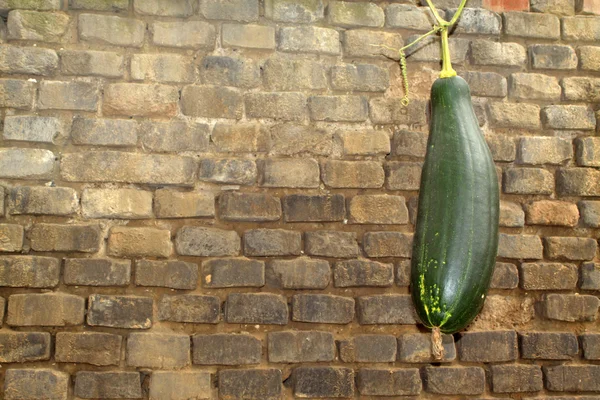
[[456, 234]]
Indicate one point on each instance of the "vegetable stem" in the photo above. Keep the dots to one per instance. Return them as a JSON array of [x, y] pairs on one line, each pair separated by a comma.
[[447, 70]]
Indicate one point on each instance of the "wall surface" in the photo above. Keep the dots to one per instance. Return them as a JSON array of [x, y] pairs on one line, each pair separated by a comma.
[[215, 199]]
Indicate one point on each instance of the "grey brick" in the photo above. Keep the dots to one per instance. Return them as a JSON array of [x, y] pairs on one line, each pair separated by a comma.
[[552, 56], [528, 181], [111, 30], [492, 346], [108, 385], [353, 174], [171, 274], [292, 11], [233, 272], [207, 242], [190, 308], [97, 272], [572, 378], [290, 172], [24, 346], [175, 8], [408, 143], [211, 102], [569, 117], [525, 86], [94, 348], [391, 111], [388, 244], [21, 163], [586, 29], [388, 382], [416, 348], [228, 170], [548, 345], [317, 208], [299, 273], [289, 139], [502, 147], [484, 52], [487, 84], [31, 384], [183, 385], [331, 244], [248, 36], [570, 307], [300, 346], [570, 248], [16, 94], [229, 71], [590, 276], [40, 26], [286, 106], [520, 246], [531, 25], [348, 15], [104, 132], [590, 213], [581, 89], [309, 39], [578, 182], [407, 16], [455, 380], [355, 39], [27, 60], [246, 207], [51, 309], [183, 34], [360, 78], [73, 95], [368, 348], [172, 204], [403, 273], [355, 273], [544, 150], [385, 310], [272, 242], [175, 136], [322, 309], [506, 276], [237, 10], [140, 100], [42, 200], [590, 344], [226, 349], [27, 271], [315, 382], [158, 350], [256, 308], [477, 21], [557, 7], [33, 129], [241, 384], [116, 203], [56, 237], [516, 378], [294, 74], [161, 68], [588, 151], [548, 276], [127, 312]]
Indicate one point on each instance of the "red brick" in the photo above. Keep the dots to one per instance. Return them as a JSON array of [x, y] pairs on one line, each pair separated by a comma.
[[506, 5]]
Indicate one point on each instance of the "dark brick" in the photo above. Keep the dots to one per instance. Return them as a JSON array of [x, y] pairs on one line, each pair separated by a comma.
[[249, 207], [250, 384], [506, 276], [548, 276], [520, 246], [233, 272], [403, 268], [207, 242], [129, 312], [486, 84], [228, 170], [299, 273], [386, 309], [300, 346], [368, 348], [578, 182], [570, 307], [363, 273], [19, 347], [572, 378], [322, 308], [29, 271], [289, 139], [97, 272], [34, 384], [256, 308], [316, 382], [197, 309], [272, 242], [548, 345], [528, 181], [171, 274], [502, 147], [455, 380], [45, 309], [56, 237], [516, 378], [16, 93], [183, 385], [108, 385], [416, 348], [404, 176], [229, 71], [408, 143], [314, 208], [388, 382], [96, 348], [42, 200], [570, 248], [590, 344], [590, 276], [388, 244], [495, 346], [331, 244], [158, 350], [551, 56], [226, 349]]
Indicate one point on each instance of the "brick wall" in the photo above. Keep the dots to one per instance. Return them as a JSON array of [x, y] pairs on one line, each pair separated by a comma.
[[216, 199]]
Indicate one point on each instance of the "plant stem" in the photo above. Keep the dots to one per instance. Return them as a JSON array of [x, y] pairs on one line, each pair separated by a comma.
[[440, 20], [457, 13], [431, 32], [447, 70]]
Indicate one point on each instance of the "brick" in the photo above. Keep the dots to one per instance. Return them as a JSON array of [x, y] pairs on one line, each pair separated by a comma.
[[285, 74], [31, 5], [290, 106], [487, 84], [549, 212], [228, 170], [515, 115], [416, 348], [172, 204], [454, 380], [368, 348], [95, 348], [292, 173], [570, 307], [544, 150], [353, 174], [139, 242], [516, 378], [207, 242], [572, 378], [531, 25], [486, 52], [525, 86], [378, 209], [108, 385], [520, 246], [589, 58], [100, 5], [116, 203], [226, 349], [548, 276], [590, 276], [408, 143], [581, 89], [256, 308], [314, 208], [349, 15], [233, 272], [92, 63], [570, 248], [578, 182], [331, 244], [237, 10], [248, 36], [96, 272], [183, 385], [568, 117], [289, 139], [493, 346], [249, 207], [27, 60], [548, 345], [11, 237], [292, 11], [21, 163], [56, 237], [365, 142], [360, 78], [588, 151], [238, 384], [196, 309], [587, 7], [355, 273], [40, 26], [140, 100], [125, 167], [47, 309], [177, 8], [171, 274], [299, 273], [104, 132], [322, 308], [583, 29], [506, 5], [183, 34], [111, 30], [272, 242], [31, 384], [127, 312], [211, 102], [2, 193], [175, 136], [557, 7], [27, 271], [403, 268], [590, 344], [528, 181], [73, 95], [24, 346], [511, 214], [15, 93], [300, 346], [407, 16], [404, 176], [388, 382], [386, 111], [386, 310], [315, 382], [161, 68], [229, 71], [309, 39], [477, 21], [33, 129], [355, 39], [158, 350], [590, 213], [552, 56], [429, 50], [388, 244]]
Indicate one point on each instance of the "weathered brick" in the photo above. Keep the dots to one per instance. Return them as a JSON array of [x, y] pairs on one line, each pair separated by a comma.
[[39, 26], [581, 89], [552, 56], [590, 213], [27, 60], [388, 382], [111, 30], [590, 276], [21, 163], [322, 308], [229, 71], [293, 11], [391, 111], [299, 273], [570, 307], [11, 237], [531, 25], [407, 16], [493, 346], [293, 173], [108, 385], [349, 15], [15, 93], [570, 248], [314, 208], [233, 272], [583, 29], [256, 308], [172, 204], [520, 246], [161, 68], [587, 7], [416, 348], [211, 102], [572, 378], [516, 378], [588, 151], [139, 242], [544, 150], [47, 309], [104, 132], [73, 95], [96, 348], [176, 8], [548, 276], [355, 39], [100, 5], [549, 212], [92, 63], [286, 106], [183, 385], [429, 50], [363, 273], [175, 136], [116, 203], [488, 84], [476, 21], [590, 344], [296, 74], [125, 167], [191, 308], [578, 182], [589, 58], [408, 143], [207, 242], [364, 142], [403, 268], [360, 78], [568, 117], [403, 175], [514, 115], [511, 214], [331, 244], [238, 10], [254, 207], [141, 100], [27, 271], [128, 312], [238, 384], [32, 384], [315, 382], [272, 242], [226, 349], [377, 209], [171, 274], [248, 36], [525, 86], [353, 174], [183, 34], [228, 170], [548, 345], [97, 272], [56, 237], [24, 346], [557, 7], [385, 310], [368, 348], [33, 129], [499, 54], [528, 181], [455, 380], [158, 350], [30, 4], [300, 346], [309, 39], [388, 244]]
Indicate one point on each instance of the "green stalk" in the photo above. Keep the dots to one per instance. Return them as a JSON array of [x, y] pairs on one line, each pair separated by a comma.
[[447, 70]]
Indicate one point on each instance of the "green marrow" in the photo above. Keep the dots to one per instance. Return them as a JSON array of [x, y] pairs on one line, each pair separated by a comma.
[[456, 234]]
